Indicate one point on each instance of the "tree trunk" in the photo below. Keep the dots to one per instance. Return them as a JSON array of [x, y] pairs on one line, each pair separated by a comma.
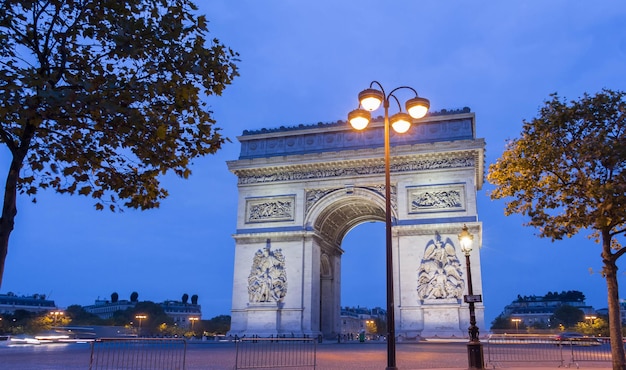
[[9, 210], [615, 317]]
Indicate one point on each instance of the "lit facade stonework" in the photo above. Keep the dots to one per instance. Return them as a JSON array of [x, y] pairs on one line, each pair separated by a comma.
[[302, 189]]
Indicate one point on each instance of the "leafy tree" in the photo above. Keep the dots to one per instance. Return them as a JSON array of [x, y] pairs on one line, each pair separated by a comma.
[[566, 173], [154, 317], [79, 316], [597, 327], [568, 316], [114, 297], [503, 322], [217, 325], [101, 97], [134, 296]]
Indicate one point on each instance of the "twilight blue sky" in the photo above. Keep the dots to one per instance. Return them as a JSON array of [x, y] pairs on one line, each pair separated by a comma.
[[305, 62]]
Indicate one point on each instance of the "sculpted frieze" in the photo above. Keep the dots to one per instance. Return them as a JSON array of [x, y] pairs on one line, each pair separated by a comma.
[[270, 209], [297, 173], [441, 198]]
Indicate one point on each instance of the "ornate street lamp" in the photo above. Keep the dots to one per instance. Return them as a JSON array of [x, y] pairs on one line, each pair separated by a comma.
[[474, 347], [55, 315], [370, 100]]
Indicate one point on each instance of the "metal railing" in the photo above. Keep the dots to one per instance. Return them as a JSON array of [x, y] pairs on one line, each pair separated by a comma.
[[533, 348], [138, 354], [596, 350], [274, 353]]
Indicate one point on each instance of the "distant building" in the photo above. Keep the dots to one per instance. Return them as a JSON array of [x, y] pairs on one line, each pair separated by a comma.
[[11, 302], [105, 309], [180, 312], [622, 311], [354, 320], [532, 310]]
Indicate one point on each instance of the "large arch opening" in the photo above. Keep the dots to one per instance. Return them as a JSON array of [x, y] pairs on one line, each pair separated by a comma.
[[363, 278], [360, 210]]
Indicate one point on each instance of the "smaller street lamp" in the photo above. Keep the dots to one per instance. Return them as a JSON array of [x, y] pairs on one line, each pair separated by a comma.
[[140, 318], [516, 321], [193, 321], [474, 347]]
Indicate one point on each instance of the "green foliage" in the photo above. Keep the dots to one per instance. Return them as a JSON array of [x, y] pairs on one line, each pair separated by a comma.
[[506, 323], [566, 173], [102, 97], [217, 325], [568, 316], [151, 324], [598, 327], [32, 323], [565, 296], [79, 316]]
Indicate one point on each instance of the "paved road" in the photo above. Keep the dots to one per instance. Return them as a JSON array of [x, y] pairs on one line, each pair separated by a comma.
[[221, 356]]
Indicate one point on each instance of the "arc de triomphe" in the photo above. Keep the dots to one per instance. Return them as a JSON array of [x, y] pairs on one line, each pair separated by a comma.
[[302, 189]]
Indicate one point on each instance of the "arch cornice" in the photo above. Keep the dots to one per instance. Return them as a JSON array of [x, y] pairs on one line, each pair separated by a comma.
[[442, 228]]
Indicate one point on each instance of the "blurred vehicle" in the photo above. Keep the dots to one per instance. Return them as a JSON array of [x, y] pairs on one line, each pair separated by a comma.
[[577, 339]]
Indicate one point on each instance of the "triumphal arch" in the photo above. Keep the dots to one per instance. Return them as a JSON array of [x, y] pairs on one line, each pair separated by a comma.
[[303, 188]]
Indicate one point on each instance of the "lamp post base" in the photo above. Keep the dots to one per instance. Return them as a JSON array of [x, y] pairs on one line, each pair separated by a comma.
[[475, 356]]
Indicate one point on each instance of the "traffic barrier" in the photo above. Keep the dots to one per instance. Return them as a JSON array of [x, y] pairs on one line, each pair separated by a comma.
[[592, 350], [274, 353], [138, 354], [523, 348], [537, 348]]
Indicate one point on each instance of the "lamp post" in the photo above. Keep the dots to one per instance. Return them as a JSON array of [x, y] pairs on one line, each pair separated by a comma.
[[474, 347], [516, 321], [193, 321], [370, 99], [56, 315], [140, 318]]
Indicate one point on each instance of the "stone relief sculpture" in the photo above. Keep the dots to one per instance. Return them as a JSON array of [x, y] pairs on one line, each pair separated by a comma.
[[270, 209], [439, 274], [267, 281], [399, 165], [436, 198]]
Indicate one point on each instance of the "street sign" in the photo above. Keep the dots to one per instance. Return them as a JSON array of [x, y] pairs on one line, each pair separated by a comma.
[[473, 298]]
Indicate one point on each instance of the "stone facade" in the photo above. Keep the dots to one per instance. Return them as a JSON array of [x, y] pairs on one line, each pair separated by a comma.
[[301, 190]]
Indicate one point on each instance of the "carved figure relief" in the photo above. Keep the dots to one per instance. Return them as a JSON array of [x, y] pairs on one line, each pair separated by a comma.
[[267, 281], [437, 198], [439, 274], [270, 209]]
